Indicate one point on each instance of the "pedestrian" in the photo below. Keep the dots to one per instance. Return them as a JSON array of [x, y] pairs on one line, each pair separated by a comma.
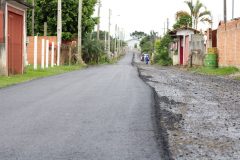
[[147, 59]]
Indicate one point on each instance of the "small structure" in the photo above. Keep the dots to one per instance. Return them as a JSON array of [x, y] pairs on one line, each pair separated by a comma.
[[12, 36], [133, 43], [180, 49]]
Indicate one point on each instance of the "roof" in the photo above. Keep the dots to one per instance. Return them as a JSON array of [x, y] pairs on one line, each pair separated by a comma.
[[21, 2], [174, 32]]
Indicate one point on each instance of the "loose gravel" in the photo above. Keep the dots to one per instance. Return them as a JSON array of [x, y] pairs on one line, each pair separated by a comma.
[[200, 114]]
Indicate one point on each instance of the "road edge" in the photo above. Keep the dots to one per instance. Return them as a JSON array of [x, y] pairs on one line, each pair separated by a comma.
[[160, 131]]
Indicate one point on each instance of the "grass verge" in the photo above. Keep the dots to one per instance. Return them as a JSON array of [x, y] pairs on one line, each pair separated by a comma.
[[31, 74], [217, 72]]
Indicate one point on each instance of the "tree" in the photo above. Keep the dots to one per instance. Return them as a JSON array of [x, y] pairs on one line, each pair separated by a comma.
[[183, 20], [180, 14], [138, 35], [147, 43], [199, 13], [46, 11]]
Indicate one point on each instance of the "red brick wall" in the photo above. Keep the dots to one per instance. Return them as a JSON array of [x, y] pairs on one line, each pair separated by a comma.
[[30, 49], [228, 43]]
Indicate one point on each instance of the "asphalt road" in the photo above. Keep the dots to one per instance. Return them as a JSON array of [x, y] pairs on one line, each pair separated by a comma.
[[100, 113]]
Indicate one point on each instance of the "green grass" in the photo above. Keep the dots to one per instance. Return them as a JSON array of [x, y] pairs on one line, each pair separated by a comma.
[[31, 74], [218, 71]]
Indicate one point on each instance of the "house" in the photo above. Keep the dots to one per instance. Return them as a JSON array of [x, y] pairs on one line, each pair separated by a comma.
[[133, 43], [183, 45], [12, 36], [228, 43]]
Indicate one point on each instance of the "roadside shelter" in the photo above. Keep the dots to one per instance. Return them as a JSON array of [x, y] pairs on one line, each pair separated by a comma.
[[181, 45], [12, 36]]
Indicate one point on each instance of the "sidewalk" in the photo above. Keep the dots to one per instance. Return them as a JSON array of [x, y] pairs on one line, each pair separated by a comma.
[[201, 114]]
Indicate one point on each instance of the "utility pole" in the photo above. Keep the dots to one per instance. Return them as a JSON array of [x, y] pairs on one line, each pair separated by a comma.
[[59, 30], [105, 44], [164, 28], [118, 35], [233, 9], [167, 24], [115, 43], [109, 36], [33, 17], [225, 12], [99, 14], [80, 32]]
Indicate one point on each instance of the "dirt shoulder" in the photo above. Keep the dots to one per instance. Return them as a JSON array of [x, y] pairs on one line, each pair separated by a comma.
[[200, 114]]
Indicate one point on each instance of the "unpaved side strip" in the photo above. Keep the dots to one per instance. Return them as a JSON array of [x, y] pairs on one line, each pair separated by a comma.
[[200, 114]]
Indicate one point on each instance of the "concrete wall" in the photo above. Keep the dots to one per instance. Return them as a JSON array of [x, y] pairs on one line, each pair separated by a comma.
[[197, 49], [228, 43]]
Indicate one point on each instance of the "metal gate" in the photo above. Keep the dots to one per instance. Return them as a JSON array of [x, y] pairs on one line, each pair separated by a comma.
[[15, 43]]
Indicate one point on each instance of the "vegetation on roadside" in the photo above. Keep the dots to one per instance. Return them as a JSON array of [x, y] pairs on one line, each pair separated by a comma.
[[161, 55], [46, 11], [183, 19], [31, 74], [216, 71], [155, 46]]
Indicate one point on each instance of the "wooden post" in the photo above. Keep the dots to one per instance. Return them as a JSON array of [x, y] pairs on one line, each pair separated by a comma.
[[70, 55], [45, 28]]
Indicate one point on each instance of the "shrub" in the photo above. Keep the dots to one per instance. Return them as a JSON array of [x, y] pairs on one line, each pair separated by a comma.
[[162, 54]]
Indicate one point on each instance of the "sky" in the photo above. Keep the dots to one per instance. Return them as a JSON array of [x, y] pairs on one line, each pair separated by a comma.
[[147, 15]]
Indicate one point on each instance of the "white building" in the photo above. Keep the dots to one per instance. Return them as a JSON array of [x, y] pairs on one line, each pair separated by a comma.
[[133, 43]]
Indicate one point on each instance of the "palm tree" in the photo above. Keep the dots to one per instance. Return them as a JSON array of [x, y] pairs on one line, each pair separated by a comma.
[[198, 14]]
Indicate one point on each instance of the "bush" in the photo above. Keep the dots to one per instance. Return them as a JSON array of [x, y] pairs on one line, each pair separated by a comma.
[[162, 55]]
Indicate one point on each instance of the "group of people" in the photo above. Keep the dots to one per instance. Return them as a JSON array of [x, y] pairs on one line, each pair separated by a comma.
[[145, 58]]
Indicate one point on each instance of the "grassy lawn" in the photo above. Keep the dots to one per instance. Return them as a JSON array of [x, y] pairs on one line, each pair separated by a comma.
[[218, 71], [31, 74]]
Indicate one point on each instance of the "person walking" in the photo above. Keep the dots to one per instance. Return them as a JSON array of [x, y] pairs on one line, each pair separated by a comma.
[[147, 59]]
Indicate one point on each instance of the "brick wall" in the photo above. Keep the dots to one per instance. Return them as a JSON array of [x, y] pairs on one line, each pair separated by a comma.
[[228, 43], [30, 49]]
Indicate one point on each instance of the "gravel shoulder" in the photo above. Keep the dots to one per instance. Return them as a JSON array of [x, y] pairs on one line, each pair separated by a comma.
[[198, 115]]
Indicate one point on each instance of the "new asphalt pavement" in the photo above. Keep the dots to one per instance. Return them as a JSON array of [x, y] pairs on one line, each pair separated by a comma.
[[99, 113]]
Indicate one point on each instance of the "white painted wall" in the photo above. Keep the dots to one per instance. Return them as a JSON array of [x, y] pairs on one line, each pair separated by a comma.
[[131, 43]]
